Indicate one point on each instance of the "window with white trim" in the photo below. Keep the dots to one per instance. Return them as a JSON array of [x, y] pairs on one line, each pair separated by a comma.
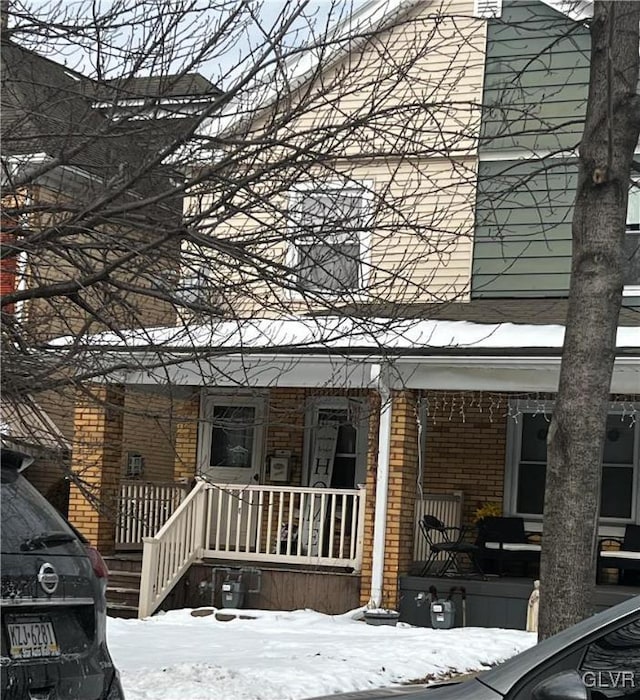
[[527, 440], [327, 243], [632, 239], [231, 436]]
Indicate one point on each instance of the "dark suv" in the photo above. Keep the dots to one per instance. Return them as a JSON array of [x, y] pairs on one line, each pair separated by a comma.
[[53, 600]]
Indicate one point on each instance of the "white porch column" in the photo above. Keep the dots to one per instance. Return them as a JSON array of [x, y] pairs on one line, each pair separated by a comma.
[[382, 489]]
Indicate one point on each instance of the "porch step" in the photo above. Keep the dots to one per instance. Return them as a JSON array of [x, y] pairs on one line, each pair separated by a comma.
[[124, 579], [124, 596], [123, 586], [124, 562], [121, 610]]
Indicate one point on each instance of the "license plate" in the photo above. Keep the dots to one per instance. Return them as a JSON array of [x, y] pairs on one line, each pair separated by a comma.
[[32, 639]]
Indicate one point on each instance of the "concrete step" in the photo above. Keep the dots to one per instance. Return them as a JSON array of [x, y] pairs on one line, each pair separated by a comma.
[[121, 610], [123, 596], [124, 579], [121, 562]]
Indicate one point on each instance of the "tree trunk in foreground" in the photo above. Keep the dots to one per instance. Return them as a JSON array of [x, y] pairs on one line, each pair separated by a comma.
[[577, 431]]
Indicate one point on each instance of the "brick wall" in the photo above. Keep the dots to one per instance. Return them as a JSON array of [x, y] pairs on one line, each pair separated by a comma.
[[149, 429], [465, 449], [187, 412], [96, 463], [403, 461]]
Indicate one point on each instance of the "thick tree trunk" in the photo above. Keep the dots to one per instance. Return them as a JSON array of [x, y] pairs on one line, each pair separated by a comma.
[[576, 435]]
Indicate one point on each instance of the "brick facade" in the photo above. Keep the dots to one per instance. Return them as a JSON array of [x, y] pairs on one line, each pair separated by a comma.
[[96, 463], [403, 463], [465, 448], [187, 412], [149, 430]]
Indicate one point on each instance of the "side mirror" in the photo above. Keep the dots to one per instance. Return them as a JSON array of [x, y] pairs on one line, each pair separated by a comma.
[[567, 685]]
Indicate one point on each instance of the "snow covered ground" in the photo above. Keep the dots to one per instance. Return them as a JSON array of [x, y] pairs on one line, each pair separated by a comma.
[[290, 655]]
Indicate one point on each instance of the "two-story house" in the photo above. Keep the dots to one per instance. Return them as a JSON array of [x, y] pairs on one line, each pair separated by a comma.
[[392, 347]]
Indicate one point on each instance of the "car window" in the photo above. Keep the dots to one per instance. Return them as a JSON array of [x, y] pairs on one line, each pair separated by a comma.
[[611, 664], [616, 651], [25, 512]]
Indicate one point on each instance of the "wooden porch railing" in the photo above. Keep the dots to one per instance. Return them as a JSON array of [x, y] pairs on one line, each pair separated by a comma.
[[143, 508], [174, 548], [256, 523], [296, 525]]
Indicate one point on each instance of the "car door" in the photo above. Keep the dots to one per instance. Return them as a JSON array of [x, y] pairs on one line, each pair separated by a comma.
[[607, 663]]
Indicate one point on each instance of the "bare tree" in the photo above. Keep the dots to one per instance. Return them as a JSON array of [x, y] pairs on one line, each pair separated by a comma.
[[576, 435], [138, 194]]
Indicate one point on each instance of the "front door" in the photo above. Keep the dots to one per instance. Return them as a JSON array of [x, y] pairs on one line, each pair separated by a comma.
[[336, 445], [231, 439], [231, 446], [335, 458]]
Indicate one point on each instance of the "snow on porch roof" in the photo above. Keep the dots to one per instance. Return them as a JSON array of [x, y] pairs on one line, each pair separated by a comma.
[[342, 334]]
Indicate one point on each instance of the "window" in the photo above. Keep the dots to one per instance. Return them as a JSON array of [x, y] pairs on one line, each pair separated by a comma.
[[632, 241], [198, 287], [231, 437], [528, 451], [232, 433], [327, 243]]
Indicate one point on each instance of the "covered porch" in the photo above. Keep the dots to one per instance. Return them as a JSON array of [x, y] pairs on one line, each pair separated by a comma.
[[429, 416]]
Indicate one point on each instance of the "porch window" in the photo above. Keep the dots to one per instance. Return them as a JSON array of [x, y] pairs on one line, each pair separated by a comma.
[[232, 436], [632, 242], [619, 466], [327, 250]]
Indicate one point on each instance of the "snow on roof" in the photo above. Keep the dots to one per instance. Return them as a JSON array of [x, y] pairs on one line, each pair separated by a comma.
[[578, 10], [342, 334]]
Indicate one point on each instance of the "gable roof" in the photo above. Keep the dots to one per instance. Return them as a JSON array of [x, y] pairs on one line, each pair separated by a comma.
[[48, 120], [165, 86], [339, 39]]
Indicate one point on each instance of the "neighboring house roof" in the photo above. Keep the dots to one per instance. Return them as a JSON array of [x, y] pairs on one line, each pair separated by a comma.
[[50, 128], [187, 85], [26, 424], [44, 109], [49, 111]]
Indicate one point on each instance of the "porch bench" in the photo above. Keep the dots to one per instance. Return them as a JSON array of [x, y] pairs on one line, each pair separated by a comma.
[[503, 541], [626, 558]]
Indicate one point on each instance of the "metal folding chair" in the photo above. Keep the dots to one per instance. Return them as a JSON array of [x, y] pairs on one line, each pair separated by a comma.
[[448, 541]]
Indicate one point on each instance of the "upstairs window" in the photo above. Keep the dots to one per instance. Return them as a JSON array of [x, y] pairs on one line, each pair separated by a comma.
[[327, 243]]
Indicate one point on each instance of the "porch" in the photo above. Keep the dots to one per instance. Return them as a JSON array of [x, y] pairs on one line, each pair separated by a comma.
[[411, 424], [230, 523], [489, 602]]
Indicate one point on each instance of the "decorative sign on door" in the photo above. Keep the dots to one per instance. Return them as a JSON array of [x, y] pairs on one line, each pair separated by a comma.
[[320, 473]]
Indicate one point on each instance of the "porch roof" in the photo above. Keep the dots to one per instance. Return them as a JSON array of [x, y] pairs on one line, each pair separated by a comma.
[[347, 334], [349, 352]]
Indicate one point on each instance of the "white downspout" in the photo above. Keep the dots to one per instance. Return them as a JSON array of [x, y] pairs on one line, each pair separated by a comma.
[[382, 489]]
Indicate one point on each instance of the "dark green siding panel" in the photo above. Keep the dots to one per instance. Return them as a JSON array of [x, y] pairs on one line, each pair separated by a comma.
[[504, 285], [536, 79], [511, 250], [498, 265], [523, 227]]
